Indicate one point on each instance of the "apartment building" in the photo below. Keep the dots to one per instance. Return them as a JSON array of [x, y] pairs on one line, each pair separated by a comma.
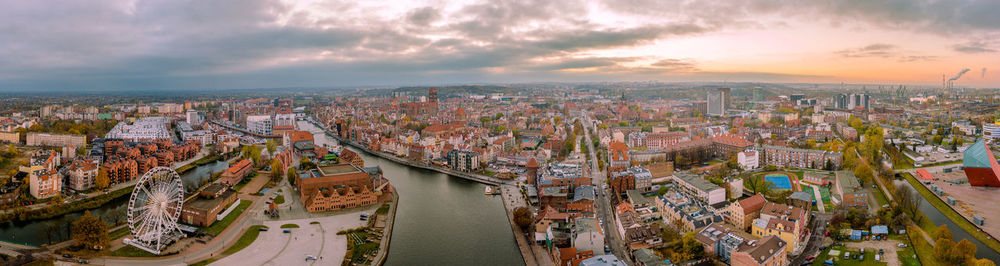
[[55, 140], [799, 158]]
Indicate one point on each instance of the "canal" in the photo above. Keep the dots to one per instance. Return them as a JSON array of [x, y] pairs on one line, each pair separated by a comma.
[[935, 215], [441, 220], [57, 229]]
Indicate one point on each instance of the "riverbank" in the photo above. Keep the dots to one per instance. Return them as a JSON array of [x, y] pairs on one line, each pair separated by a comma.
[[508, 194], [469, 176], [954, 216], [383, 250]]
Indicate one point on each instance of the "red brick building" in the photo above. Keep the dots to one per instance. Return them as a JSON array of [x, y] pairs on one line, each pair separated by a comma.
[[237, 172]]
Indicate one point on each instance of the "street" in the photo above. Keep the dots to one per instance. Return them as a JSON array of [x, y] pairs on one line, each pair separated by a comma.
[[604, 209]]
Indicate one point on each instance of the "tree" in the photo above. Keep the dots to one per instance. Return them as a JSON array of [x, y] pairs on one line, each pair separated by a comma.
[[102, 181], [275, 170], [680, 160], [522, 217], [90, 232], [962, 252], [942, 232], [863, 172], [983, 262], [271, 146], [290, 173]]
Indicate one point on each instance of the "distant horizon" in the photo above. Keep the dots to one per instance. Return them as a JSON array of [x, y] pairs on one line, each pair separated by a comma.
[[737, 85]]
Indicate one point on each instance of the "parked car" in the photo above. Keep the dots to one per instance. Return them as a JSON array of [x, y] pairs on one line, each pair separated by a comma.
[[310, 257]]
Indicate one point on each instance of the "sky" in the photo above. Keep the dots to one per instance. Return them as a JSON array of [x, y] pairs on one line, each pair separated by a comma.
[[182, 44]]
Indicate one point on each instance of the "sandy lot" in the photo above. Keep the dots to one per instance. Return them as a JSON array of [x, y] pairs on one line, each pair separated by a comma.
[[321, 240], [971, 200]]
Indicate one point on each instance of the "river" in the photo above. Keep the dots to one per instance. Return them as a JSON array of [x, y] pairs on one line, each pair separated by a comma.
[[935, 215], [56, 229], [441, 220]]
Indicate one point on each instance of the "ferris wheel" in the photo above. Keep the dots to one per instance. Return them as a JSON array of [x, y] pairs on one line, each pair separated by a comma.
[[153, 210]]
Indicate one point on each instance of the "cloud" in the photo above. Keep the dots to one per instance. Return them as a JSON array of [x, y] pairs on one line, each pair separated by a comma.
[[675, 64], [885, 51], [939, 17], [126, 44], [974, 47]]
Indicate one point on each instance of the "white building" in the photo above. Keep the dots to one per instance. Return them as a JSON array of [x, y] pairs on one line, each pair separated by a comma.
[[284, 120], [749, 159], [44, 183], [144, 129], [193, 117], [991, 131], [697, 186], [260, 124]]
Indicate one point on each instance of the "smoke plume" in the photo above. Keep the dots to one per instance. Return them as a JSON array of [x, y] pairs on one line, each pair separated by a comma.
[[959, 75]]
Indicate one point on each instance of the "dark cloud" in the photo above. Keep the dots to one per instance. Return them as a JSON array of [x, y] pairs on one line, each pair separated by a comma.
[[940, 17], [974, 47], [675, 64], [886, 51]]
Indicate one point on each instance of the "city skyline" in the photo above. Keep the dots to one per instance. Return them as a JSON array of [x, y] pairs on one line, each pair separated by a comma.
[[259, 44]]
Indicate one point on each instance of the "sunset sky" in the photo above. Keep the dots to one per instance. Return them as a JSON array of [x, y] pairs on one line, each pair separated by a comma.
[[263, 43]]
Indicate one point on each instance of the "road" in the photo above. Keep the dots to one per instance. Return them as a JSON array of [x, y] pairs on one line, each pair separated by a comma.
[[604, 210], [818, 233]]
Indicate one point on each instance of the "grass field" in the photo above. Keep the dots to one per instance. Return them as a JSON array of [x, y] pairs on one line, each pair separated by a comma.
[[951, 214], [121, 232], [130, 251], [289, 226], [907, 256], [219, 226], [384, 209], [279, 199], [248, 237]]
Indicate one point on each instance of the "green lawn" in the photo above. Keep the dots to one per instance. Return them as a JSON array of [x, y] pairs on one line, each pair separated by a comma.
[[384, 209], [839, 260], [951, 214], [880, 197], [121, 232], [130, 251], [906, 255], [219, 226], [279, 199], [289, 226], [248, 237]]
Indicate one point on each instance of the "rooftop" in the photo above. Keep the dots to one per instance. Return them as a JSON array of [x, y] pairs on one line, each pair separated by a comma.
[[337, 169], [697, 181], [200, 203]]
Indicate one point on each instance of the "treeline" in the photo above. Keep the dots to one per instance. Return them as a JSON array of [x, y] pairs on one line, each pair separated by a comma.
[[98, 127]]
